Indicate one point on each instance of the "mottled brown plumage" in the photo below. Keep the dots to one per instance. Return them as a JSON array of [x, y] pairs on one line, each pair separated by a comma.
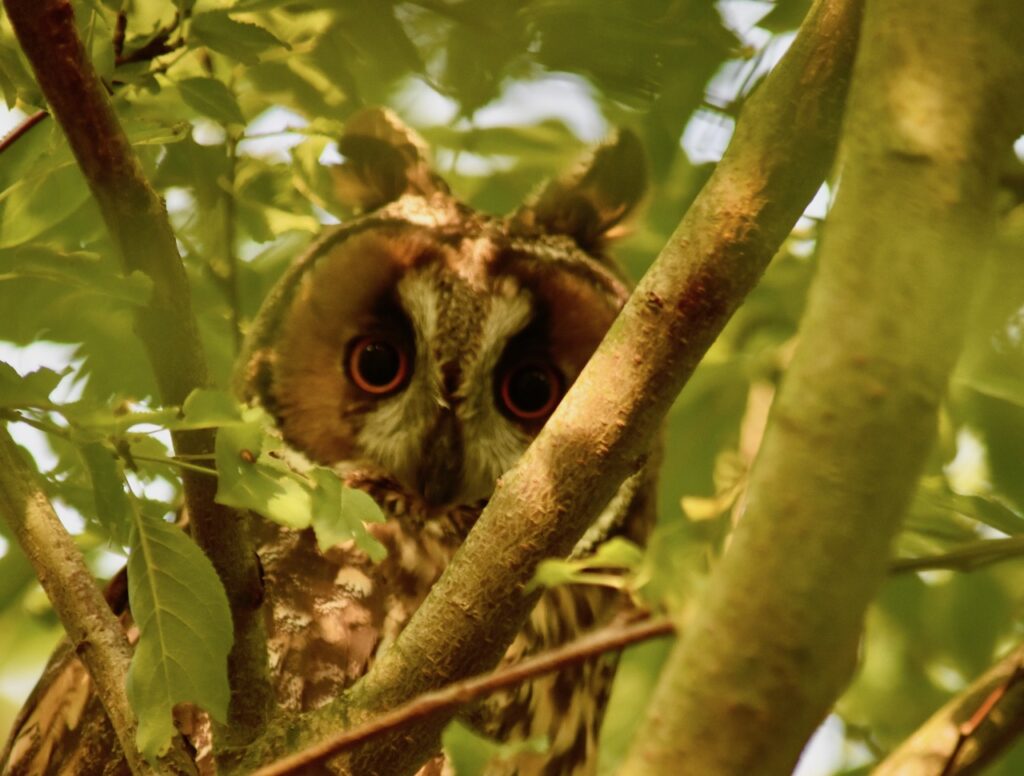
[[417, 349]]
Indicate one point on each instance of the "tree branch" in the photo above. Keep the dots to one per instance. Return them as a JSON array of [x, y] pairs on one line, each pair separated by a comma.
[[970, 731], [94, 631], [137, 222], [776, 638], [601, 431], [608, 639]]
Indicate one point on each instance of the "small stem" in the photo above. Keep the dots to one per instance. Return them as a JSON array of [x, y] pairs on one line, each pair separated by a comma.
[[20, 130], [191, 467]]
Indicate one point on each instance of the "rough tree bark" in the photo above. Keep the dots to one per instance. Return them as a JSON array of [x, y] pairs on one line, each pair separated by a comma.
[[930, 117]]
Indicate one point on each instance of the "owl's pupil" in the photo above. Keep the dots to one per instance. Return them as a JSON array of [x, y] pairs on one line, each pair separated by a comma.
[[530, 389], [379, 363], [377, 366], [530, 392]]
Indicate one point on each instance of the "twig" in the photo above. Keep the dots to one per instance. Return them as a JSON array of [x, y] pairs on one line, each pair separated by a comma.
[[609, 639], [968, 557], [11, 137]]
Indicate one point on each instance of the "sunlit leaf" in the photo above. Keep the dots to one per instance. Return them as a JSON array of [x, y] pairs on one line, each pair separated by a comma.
[[185, 631], [206, 408], [252, 479], [340, 512]]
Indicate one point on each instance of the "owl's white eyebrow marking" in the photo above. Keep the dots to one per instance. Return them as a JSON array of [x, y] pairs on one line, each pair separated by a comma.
[[418, 298]]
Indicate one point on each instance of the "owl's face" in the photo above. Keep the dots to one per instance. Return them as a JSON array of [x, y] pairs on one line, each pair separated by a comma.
[[425, 343]]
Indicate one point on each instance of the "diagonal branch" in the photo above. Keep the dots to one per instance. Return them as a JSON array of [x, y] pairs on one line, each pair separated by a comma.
[[601, 431], [137, 222], [91, 626]]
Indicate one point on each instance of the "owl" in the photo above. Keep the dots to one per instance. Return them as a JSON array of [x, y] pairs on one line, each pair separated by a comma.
[[417, 349]]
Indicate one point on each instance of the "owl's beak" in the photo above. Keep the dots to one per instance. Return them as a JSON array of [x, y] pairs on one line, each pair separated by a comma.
[[439, 475]]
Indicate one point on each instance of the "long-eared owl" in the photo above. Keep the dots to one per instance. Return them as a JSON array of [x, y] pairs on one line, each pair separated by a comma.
[[417, 349]]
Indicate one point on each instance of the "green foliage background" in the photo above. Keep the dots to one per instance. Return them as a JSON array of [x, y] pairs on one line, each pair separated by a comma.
[[233, 120]]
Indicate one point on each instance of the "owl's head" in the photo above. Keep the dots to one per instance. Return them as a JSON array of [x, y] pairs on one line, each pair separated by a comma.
[[425, 343]]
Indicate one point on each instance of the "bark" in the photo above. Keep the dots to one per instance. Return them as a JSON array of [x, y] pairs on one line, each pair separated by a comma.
[[137, 222], [601, 432], [776, 638], [94, 631]]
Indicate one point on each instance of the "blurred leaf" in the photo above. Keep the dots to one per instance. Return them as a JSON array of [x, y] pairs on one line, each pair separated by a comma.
[[33, 388], [185, 630], [80, 270], [212, 99], [239, 40], [469, 752], [614, 555], [40, 201], [112, 509]]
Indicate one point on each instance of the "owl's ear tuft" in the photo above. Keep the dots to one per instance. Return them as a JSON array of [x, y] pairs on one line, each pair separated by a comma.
[[590, 201], [384, 159]]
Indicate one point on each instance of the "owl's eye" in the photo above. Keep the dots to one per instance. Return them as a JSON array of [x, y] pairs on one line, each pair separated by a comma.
[[530, 391], [377, 365]]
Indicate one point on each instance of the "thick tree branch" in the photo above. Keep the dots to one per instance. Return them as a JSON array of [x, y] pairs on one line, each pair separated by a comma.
[[611, 638], [93, 629], [970, 731], [776, 638], [601, 431], [137, 222]]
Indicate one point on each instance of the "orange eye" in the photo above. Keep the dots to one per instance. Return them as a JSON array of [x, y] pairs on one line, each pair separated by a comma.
[[530, 391], [377, 366]]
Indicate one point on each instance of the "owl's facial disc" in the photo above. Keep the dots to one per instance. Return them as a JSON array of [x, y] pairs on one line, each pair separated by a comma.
[[428, 363]]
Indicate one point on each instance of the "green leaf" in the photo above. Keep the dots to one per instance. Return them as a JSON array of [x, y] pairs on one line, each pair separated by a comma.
[[212, 99], [42, 200], [79, 270], [108, 490], [340, 512], [616, 554], [31, 389], [208, 408], [251, 479], [470, 753], [185, 631], [238, 40]]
